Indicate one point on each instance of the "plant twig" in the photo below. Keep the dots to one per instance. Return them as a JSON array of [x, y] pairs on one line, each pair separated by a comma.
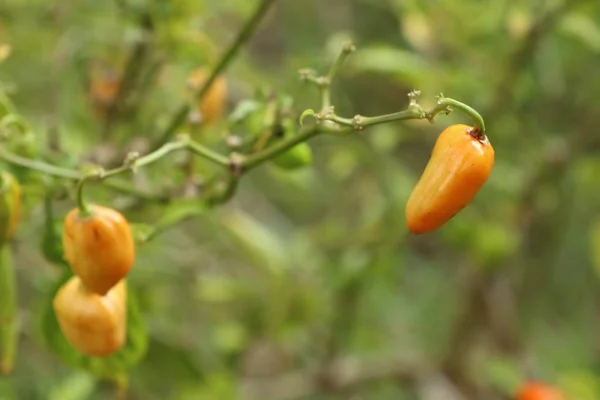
[[74, 175], [414, 111], [131, 73], [347, 49], [323, 83], [134, 161], [305, 133], [245, 34]]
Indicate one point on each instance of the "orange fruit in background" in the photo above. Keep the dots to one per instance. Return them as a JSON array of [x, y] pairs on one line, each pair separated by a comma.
[[539, 391], [212, 106], [103, 89]]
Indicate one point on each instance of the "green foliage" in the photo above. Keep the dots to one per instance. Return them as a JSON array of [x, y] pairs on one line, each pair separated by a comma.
[[303, 269], [51, 243], [8, 310]]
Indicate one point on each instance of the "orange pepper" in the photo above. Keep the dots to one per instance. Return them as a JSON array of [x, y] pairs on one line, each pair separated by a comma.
[[103, 89], [93, 324], [539, 391], [460, 163], [99, 248], [213, 103]]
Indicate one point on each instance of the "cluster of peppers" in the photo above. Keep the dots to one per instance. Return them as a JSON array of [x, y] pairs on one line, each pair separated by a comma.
[[91, 307]]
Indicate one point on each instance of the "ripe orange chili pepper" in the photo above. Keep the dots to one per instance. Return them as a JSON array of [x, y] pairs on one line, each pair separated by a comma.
[[539, 391], [103, 89], [93, 324], [99, 247], [460, 163], [213, 103]]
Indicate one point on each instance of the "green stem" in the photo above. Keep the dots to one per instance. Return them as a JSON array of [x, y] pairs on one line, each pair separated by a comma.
[[84, 210], [347, 48], [325, 97], [59, 172], [184, 144], [210, 155], [414, 111], [280, 147], [359, 122], [8, 310], [241, 39], [129, 76], [39, 166], [445, 102], [227, 193]]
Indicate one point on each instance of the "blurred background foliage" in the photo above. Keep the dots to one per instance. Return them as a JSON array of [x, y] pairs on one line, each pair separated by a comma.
[[307, 285]]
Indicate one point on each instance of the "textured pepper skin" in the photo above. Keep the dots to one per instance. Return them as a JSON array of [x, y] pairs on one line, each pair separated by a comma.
[[99, 248], [459, 166], [539, 391], [213, 103], [93, 324]]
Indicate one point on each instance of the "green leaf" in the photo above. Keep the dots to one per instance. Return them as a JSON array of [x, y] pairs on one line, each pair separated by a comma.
[[109, 367], [389, 60], [503, 374], [243, 110], [266, 249], [77, 386], [8, 309], [595, 247], [174, 213], [580, 385], [297, 157], [230, 336], [584, 28], [217, 289], [51, 243]]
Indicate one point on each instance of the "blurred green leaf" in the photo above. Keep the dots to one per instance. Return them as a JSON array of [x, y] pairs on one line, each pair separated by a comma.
[[216, 289], [582, 27], [595, 246], [579, 385], [8, 310], [243, 110], [218, 385], [230, 336], [402, 64], [174, 213], [504, 374], [77, 386], [297, 157], [51, 242], [353, 263], [264, 247]]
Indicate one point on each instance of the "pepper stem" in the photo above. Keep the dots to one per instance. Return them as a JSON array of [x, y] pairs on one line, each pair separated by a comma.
[[84, 209], [443, 105]]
